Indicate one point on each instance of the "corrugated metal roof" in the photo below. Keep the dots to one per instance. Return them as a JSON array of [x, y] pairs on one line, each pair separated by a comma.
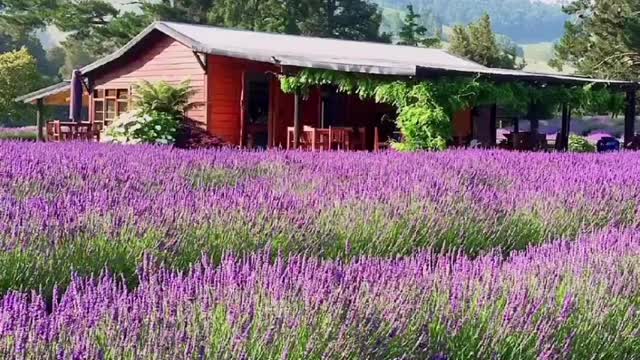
[[300, 50], [519, 75], [311, 52]]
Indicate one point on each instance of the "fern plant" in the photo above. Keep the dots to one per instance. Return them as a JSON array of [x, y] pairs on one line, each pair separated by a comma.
[[162, 97]]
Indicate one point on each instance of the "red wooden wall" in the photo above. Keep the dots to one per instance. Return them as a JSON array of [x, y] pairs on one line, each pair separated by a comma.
[[162, 58], [225, 79]]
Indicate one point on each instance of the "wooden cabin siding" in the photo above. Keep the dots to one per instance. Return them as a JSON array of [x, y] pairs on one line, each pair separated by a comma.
[[224, 91], [225, 94], [164, 59], [462, 124]]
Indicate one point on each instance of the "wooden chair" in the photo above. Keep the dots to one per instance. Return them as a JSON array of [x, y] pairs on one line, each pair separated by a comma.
[[461, 140], [540, 142], [378, 143], [65, 131], [522, 141], [53, 131], [310, 138], [359, 141], [340, 138]]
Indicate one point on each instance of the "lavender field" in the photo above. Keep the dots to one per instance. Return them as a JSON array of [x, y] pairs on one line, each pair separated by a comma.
[[141, 252]]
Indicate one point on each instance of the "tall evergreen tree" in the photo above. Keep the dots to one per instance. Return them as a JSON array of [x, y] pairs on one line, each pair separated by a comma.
[[342, 19], [478, 43], [603, 40], [98, 27], [413, 33]]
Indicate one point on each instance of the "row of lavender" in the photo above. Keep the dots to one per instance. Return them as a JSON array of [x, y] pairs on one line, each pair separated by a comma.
[[563, 300], [84, 207], [26, 133]]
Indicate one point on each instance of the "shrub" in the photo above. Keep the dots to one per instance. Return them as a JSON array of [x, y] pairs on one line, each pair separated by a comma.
[[163, 97], [159, 110], [151, 127], [580, 144]]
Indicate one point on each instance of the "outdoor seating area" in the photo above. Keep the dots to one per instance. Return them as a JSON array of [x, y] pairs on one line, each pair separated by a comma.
[[69, 130], [527, 141], [333, 138]]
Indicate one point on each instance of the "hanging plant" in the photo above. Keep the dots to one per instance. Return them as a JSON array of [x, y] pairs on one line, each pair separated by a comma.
[[426, 107]]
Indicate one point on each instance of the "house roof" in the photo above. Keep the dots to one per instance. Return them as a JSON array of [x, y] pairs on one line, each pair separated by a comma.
[[302, 51], [334, 54], [321, 53], [43, 93]]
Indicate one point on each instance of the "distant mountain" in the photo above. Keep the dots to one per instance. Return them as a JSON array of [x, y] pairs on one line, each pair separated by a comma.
[[553, 2], [523, 21]]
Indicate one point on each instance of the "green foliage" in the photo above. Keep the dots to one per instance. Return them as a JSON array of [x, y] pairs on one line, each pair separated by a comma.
[[523, 20], [160, 107], [163, 97], [144, 127], [425, 108], [18, 76], [478, 43], [413, 33], [603, 40], [98, 27], [423, 127], [423, 122], [345, 19], [580, 144]]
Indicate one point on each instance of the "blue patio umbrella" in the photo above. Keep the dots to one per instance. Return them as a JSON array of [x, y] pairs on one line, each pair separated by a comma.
[[75, 103]]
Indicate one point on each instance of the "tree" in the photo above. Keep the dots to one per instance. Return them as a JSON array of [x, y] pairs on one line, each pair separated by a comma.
[[98, 27], [478, 43], [414, 34], [18, 76], [603, 40]]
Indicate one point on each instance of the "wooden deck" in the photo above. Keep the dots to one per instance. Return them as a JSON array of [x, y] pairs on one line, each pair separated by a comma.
[[72, 131]]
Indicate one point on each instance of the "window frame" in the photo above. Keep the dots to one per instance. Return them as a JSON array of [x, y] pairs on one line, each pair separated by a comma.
[[102, 97]]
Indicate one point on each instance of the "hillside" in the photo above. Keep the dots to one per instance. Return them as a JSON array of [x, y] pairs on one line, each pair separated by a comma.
[[521, 20], [536, 45]]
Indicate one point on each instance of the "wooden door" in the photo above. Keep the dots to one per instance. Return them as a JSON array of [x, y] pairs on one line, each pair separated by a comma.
[[256, 107]]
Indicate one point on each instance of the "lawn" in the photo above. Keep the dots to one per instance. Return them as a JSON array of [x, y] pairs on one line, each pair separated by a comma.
[[128, 252]]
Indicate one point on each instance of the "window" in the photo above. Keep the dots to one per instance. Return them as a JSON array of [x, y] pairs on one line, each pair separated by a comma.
[[109, 103]]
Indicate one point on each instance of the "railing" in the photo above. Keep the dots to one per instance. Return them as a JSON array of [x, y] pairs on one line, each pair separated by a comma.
[[333, 138], [70, 131]]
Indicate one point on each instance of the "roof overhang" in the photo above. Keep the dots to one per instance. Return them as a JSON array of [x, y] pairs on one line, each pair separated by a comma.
[[364, 65], [52, 90], [505, 75]]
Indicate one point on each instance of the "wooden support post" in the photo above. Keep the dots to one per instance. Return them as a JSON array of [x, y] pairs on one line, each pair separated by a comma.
[[297, 120], [493, 113], [630, 118], [565, 128], [323, 112], [533, 118], [516, 124], [40, 119], [243, 110]]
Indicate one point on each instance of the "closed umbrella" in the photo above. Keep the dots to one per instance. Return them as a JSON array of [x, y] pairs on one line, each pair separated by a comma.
[[75, 104]]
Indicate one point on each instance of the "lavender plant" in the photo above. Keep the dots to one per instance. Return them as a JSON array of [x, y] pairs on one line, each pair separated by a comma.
[[565, 300], [84, 207]]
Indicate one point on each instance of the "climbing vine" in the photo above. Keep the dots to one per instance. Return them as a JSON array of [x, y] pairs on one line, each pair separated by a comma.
[[426, 107]]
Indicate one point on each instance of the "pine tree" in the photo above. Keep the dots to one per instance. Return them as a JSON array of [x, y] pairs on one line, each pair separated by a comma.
[[414, 34], [478, 43], [603, 41]]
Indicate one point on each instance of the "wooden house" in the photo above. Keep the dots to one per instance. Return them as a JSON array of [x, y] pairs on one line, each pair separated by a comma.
[[235, 77]]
